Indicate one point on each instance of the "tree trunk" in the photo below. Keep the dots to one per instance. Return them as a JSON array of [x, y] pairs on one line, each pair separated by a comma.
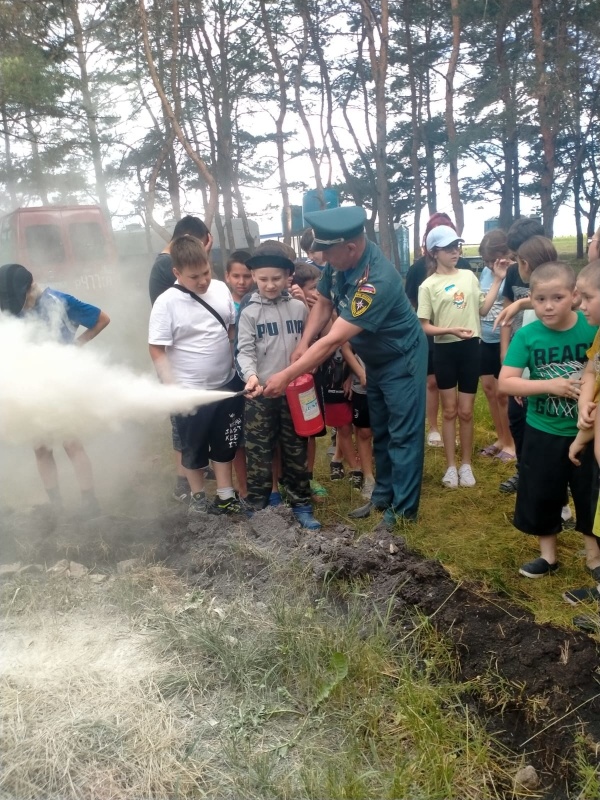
[[379, 66], [279, 137], [457, 205], [37, 171], [415, 121], [10, 170], [199, 162], [546, 128], [89, 107]]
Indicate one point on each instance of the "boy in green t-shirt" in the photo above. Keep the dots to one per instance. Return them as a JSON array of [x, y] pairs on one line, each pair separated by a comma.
[[553, 349]]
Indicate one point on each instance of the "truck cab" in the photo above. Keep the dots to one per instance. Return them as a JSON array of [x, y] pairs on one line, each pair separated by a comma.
[[68, 247]]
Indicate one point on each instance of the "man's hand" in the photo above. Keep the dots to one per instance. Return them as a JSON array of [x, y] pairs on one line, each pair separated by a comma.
[[298, 352], [253, 387], [276, 384]]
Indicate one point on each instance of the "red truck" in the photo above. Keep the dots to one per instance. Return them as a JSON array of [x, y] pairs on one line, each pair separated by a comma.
[[67, 247]]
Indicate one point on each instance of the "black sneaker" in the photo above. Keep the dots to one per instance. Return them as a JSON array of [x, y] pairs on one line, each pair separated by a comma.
[[233, 505], [336, 471], [356, 479], [510, 485], [588, 594], [198, 504], [538, 568], [182, 492]]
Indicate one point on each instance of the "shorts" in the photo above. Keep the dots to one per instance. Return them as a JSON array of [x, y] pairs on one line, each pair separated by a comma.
[[430, 369], [457, 364], [360, 411], [177, 446], [545, 473], [490, 359], [213, 432], [338, 414]]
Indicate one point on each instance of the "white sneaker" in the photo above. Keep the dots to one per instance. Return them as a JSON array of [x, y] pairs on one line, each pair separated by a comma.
[[450, 479], [465, 476]]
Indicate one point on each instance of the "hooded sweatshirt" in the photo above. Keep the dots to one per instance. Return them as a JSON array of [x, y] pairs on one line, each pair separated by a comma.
[[268, 333]]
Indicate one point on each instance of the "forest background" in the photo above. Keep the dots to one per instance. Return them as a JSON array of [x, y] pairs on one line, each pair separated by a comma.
[[234, 108]]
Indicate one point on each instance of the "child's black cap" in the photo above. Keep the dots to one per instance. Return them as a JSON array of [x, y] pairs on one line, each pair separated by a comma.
[[270, 254], [15, 282]]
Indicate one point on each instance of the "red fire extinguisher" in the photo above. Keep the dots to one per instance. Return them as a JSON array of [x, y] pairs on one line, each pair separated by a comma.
[[304, 406]]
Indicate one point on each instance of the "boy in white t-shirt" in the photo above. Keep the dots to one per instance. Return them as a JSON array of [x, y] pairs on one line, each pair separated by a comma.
[[190, 333]]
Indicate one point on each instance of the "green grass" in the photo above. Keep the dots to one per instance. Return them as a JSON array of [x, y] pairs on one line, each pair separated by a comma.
[[470, 532]]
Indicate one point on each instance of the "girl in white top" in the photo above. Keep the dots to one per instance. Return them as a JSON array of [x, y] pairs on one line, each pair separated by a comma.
[[450, 308]]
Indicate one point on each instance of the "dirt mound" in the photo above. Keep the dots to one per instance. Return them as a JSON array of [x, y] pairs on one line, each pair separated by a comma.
[[535, 685]]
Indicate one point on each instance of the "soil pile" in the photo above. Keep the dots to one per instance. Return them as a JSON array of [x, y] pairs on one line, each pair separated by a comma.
[[537, 686]]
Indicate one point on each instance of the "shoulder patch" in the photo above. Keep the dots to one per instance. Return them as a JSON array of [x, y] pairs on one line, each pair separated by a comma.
[[367, 288], [360, 303]]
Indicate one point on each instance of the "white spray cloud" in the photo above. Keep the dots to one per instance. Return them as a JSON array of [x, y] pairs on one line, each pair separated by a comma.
[[50, 392]]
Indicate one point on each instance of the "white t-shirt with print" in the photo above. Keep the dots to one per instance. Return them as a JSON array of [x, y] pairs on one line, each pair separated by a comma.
[[197, 345]]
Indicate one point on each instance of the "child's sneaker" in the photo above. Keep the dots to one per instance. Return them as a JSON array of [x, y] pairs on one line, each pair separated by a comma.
[[450, 479], [198, 504], [465, 476], [317, 491], [336, 471], [367, 488], [232, 505], [356, 478], [304, 515], [588, 594], [538, 568], [275, 499]]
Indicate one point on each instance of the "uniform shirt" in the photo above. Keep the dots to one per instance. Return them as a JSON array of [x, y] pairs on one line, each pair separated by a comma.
[[196, 343], [451, 301], [371, 295], [551, 354], [593, 355], [63, 314], [161, 276]]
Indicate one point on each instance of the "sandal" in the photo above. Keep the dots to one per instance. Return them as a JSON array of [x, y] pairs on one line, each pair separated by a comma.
[[505, 457], [489, 451], [434, 439], [510, 485]]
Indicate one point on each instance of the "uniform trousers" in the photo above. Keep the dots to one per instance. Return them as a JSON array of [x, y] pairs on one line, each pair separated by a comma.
[[396, 396]]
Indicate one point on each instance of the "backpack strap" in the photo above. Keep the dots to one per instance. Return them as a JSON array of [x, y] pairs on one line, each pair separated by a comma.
[[202, 302]]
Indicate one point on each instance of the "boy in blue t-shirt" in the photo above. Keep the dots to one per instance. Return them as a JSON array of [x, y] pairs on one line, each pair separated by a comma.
[[61, 314], [553, 349]]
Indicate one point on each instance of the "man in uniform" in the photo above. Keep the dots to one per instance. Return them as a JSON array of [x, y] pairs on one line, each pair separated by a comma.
[[374, 314]]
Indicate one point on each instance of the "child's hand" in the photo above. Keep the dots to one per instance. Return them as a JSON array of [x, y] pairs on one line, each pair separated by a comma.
[[574, 450], [587, 414], [253, 387], [505, 317], [462, 333], [564, 387], [500, 266], [297, 293], [347, 386]]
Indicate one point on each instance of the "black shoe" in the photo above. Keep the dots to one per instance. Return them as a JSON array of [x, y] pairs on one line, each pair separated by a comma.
[[336, 471], [588, 594], [538, 568], [198, 504], [356, 479], [362, 512], [233, 505], [510, 485]]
